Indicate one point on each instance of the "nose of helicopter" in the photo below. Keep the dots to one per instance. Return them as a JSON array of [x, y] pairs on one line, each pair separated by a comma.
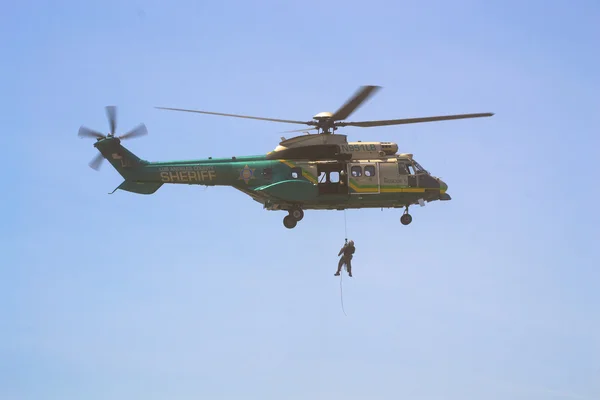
[[443, 185], [443, 188]]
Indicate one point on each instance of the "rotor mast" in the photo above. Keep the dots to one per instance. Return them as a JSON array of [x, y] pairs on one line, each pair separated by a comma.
[[325, 125]]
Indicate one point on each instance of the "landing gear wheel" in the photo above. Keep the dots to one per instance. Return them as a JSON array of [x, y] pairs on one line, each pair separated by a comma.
[[289, 222], [297, 214], [406, 219]]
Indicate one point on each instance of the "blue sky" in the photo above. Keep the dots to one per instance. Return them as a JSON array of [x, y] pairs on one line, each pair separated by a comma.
[[193, 293]]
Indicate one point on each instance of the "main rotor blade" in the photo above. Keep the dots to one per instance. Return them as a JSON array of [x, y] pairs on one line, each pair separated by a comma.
[[87, 132], [96, 162], [139, 130], [300, 130], [238, 116], [111, 113], [352, 104], [366, 124]]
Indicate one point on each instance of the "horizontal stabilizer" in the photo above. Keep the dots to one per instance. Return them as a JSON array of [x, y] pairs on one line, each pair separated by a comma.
[[139, 187]]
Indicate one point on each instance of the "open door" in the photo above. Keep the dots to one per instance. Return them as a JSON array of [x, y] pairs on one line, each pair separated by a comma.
[[332, 178], [364, 178]]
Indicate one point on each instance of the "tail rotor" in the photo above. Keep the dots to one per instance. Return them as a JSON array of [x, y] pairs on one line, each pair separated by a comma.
[[111, 113]]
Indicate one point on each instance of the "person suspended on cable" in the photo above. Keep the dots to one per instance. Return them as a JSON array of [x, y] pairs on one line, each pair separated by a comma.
[[346, 257]]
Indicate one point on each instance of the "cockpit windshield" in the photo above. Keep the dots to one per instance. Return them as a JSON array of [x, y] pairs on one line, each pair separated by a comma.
[[418, 168]]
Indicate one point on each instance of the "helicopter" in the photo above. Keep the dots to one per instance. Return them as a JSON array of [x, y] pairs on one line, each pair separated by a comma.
[[311, 171]]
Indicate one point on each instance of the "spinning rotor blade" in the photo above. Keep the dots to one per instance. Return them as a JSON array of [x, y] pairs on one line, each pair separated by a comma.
[[237, 116], [300, 130], [111, 113], [87, 132], [139, 130], [96, 162], [354, 102], [327, 122], [366, 124]]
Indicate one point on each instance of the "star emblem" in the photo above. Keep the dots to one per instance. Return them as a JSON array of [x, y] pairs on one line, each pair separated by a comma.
[[247, 173]]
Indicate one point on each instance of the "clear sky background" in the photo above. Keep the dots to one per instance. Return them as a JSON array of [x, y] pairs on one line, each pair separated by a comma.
[[202, 294]]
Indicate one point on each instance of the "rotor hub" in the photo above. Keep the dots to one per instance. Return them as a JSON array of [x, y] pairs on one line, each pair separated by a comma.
[[323, 116], [325, 122]]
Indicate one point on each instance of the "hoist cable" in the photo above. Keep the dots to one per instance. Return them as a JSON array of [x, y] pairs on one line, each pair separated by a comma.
[[345, 226], [345, 266]]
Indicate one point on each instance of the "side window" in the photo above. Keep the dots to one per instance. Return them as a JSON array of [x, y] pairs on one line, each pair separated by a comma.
[[370, 171], [267, 173], [402, 169], [411, 169], [356, 170], [296, 172], [334, 177], [322, 177]]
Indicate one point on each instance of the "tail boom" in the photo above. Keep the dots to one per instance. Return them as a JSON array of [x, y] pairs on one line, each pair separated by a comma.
[[146, 177]]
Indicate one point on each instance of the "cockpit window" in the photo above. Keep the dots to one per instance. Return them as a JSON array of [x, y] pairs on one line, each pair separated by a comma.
[[419, 168], [402, 169]]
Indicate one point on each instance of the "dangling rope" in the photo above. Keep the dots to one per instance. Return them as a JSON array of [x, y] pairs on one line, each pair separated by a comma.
[[342, 296], [345, 266], [345, 226]]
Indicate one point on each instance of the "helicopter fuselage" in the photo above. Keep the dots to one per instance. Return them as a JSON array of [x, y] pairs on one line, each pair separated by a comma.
[[320, 171], [351, 180]]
